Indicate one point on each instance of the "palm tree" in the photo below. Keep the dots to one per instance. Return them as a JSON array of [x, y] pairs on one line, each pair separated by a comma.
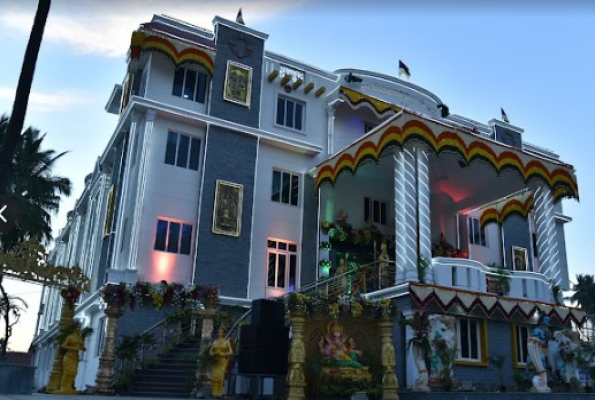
[[33, 190], [11, 309], [584, 292], [19, 108]]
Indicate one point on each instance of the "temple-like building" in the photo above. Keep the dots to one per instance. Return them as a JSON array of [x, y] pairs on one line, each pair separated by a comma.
[[238, 166]]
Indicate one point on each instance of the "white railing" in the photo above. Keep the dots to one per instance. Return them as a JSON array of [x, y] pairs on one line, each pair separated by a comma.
[[472, 275]]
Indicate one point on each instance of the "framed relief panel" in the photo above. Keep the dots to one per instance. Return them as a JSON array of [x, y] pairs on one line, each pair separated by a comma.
[[238, 82], [519, 258], [227, 213]]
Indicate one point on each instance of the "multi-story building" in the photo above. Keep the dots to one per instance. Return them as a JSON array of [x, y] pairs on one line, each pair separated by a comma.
[[227, 159]]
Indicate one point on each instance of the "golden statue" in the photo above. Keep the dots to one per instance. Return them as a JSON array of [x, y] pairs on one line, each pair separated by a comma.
[[221, 350], [339, 354], [71, 345]]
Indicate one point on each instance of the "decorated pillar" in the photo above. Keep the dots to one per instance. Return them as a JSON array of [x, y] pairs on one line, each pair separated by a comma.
[[105, 372], [423, 208], [390, 385], [206, 338], [545, 226], [66, 320], [296, 379], [405, 216]]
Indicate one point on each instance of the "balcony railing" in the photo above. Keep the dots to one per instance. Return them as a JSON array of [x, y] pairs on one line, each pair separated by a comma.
[[474, 276]]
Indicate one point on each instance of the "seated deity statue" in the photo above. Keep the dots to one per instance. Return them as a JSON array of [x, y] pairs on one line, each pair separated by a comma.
[[340, 354]]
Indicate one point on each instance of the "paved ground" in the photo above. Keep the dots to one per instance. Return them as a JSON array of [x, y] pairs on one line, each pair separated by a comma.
[[40, 396]]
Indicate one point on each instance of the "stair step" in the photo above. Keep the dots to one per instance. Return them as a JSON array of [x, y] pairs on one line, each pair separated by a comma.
[[184, 395]]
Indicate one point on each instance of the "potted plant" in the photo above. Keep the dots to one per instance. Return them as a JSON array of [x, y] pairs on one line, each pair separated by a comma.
[[422, 267], [502, 276], [498, 362]]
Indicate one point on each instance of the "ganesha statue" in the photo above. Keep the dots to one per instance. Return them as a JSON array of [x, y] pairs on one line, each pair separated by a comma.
[[340, 355]]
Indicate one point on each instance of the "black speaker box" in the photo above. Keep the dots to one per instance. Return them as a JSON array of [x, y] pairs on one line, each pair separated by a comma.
[[259, 335], [268, 312], [263, 360]]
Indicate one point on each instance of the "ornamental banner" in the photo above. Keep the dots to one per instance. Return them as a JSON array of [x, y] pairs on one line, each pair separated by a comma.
[[408, 127], [462, 302], [518, 204]]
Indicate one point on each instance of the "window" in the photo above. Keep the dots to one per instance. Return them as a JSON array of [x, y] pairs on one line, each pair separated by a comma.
[[282, 265], [477, 235], [376, 210], [470, 342], [190, 84], [173, 237], [368, 126], [290, 113], [520, 334], [182, 150], [100, 336], [286, 188]]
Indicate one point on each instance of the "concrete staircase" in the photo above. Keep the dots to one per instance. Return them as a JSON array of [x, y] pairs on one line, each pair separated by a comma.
[[172, 375]]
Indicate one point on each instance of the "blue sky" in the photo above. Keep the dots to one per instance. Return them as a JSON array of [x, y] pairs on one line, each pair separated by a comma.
[[533, 59]]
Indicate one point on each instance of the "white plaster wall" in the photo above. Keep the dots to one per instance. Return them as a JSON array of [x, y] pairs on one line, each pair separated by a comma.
[[171, 192], [271, 219], [160, 84], [90, 358], [350, 125]]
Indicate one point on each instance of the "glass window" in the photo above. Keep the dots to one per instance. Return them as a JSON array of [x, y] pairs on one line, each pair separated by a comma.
[[282, 264], [290, 113], [477, 235], [521, 334], [469, 339], [173, 237], [285, 188], [376, 209], [194, 154], [182, 151], [190, 84]]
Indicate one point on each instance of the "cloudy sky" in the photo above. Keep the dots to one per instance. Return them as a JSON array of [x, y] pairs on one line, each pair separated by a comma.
[[535, 60]]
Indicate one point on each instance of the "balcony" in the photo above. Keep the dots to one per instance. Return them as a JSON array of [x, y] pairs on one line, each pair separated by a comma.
[[474, 276]]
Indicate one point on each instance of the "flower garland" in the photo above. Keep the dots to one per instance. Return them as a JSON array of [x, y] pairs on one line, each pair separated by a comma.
[[159, 295], [337, 306]]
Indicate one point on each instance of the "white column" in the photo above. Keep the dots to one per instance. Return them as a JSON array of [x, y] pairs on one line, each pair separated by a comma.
[[140, 189], [330, 110], [423, 207], [545, 227], [124, 197], [405, 216]]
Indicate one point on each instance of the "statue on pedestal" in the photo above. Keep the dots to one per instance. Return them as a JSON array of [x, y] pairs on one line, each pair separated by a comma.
[[71, 346], [536, 345], [221, 350]]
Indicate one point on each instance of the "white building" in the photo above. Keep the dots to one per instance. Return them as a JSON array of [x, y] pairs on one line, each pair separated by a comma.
[[227, 158]]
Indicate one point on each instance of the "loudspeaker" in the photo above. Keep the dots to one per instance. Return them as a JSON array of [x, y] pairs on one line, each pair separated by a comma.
[[263, 360], [259, 335], [268, 312]]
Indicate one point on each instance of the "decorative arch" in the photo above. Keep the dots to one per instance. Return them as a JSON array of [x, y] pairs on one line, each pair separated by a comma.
[[143, 42], [406, 128]]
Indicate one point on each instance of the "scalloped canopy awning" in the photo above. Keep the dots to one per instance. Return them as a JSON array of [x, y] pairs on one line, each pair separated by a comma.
[[454, 301], [519, 204], [407, 127]]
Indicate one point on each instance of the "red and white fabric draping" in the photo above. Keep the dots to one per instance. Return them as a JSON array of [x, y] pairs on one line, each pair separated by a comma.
[[455, 301]]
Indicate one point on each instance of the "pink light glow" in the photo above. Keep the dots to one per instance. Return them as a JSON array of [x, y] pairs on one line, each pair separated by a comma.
[[163, 266]]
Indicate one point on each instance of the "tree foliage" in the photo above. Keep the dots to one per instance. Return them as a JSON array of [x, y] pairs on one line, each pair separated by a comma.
[[584, 292]]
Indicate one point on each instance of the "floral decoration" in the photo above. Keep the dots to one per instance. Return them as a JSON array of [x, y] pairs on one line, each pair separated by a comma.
[[337, 306], [159, 295], [71, 295]]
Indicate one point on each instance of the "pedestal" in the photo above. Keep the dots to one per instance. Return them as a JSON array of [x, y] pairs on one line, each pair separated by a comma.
[[390, 385], [296, 379], [105, 373]]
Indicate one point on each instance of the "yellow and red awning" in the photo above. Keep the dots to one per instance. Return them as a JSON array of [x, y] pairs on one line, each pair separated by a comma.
[[518, 204], [407, 127]]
